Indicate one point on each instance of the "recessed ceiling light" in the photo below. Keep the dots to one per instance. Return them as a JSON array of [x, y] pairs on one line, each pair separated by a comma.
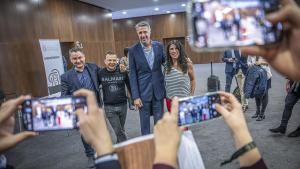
[[124, 12], [155, 0], [168, 11], [183, 5], [156, 9], [108, 15]]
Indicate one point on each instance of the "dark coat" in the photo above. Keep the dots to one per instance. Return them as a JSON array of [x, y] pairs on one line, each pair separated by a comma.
[[70, 82], [241, 62], [144, 82], [256, 82]]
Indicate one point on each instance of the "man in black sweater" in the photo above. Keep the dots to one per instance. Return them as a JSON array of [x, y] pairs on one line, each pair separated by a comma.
[[113, 83]]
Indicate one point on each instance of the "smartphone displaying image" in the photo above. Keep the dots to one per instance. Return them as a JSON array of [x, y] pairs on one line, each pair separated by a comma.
[[195, 109], [52, 113], [222, 24]]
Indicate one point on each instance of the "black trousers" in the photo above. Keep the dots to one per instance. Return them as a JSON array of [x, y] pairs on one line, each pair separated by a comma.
[[290, 100], [263, 101]]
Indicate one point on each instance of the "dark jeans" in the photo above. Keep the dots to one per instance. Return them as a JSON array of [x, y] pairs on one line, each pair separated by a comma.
[[116, 114], [154, 107], [290, 101], [229, 77], [263, 102], [89, 151]]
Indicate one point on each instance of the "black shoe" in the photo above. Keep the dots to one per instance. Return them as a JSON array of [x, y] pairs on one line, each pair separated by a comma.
[[279, 129], [295, 133], [260, 118], [254, 116]]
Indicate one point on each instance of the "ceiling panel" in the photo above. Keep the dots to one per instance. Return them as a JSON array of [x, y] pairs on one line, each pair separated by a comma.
[[136, 8]]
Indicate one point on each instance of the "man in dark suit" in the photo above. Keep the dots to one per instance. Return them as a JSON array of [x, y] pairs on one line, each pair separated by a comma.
[[146, 77], [234, 62], [82, 75]]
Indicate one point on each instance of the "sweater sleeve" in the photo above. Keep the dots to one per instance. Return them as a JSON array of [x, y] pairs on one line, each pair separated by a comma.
[[162, 166], [260, 164]]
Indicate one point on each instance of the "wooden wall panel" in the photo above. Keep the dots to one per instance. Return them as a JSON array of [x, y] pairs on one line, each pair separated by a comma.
[[162, 26], [4, 24], [24, 22], [48, 28], [62, 18], [7, 74]]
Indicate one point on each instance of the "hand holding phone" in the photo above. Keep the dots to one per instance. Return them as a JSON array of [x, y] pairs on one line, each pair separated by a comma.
[[222, 24], [9, 139], [195, 109]]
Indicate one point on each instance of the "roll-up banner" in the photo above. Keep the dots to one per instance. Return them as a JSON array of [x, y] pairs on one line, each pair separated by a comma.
[[53, 64]]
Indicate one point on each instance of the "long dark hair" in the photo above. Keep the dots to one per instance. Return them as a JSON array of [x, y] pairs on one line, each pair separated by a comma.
[[182, 59]]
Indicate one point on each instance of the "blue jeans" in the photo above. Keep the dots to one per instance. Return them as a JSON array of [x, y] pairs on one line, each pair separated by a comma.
[[116, 114], [154, 107]]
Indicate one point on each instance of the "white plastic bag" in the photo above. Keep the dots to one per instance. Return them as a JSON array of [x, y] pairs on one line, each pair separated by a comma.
[[188, 154]]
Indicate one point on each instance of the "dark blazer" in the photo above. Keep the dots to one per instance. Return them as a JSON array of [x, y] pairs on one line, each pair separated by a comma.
[[144, 81], [70, 82], [256, 82], [241, 62]]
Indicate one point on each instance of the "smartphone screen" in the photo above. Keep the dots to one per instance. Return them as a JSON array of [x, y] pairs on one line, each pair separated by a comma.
[[232, 23], [52, 113], [196, 109]]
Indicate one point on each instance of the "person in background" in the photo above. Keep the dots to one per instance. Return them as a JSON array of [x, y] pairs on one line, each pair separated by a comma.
[[78, 44], [236, 66], [113, 83], [179, 73], [124, 66], [65, 63], [124, 61], [241, 72], [262, 101], [291, 99]]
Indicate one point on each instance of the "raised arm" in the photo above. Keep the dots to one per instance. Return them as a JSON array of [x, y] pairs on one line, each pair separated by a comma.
[[232, 112]]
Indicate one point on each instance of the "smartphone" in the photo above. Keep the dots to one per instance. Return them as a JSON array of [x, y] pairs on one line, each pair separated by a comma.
[[216, 25], [45, 114], [195, 109]]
